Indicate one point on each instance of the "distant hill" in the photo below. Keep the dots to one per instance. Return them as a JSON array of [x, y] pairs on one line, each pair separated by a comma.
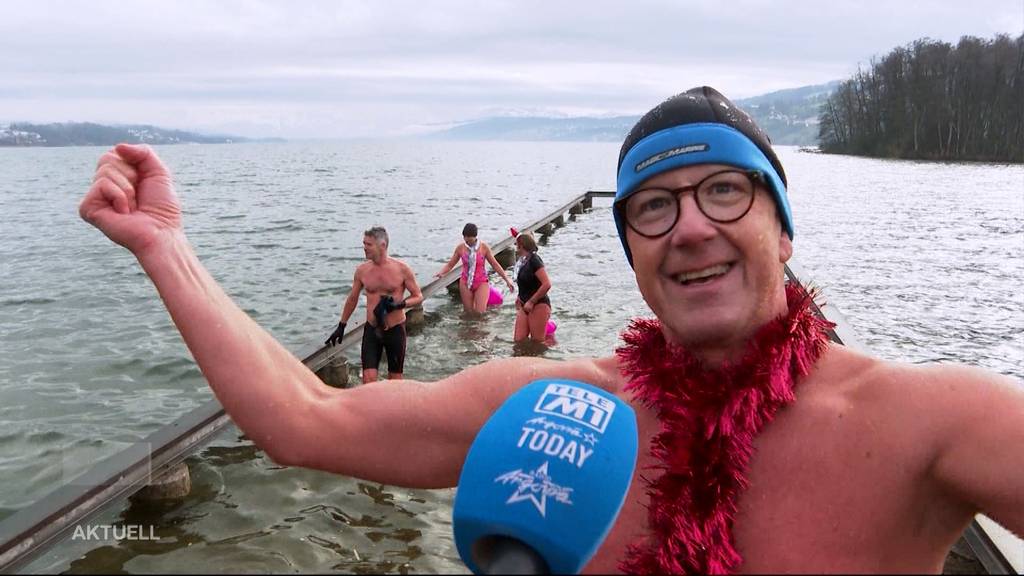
[[88, 134], [582, 129], [789, 116]]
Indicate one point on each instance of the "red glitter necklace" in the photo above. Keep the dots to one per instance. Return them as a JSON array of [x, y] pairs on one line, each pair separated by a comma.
[[709, 419]]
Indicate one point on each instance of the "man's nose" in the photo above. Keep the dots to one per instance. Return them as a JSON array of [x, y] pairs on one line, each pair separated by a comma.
[[692, 225]]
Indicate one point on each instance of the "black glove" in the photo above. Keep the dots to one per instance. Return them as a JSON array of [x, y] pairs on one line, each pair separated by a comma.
[[335, 337], [379, 313], [385, 305]]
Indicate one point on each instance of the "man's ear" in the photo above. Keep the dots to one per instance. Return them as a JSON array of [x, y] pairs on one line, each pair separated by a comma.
[[785, 247]]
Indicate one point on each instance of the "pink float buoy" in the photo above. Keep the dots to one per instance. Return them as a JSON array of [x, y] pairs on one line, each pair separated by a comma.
[[495, 298], [550, 328]]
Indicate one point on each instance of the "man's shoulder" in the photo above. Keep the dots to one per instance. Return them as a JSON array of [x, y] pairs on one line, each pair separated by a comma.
[[398, 263], [867, 380], [601, 372], [364, 266]]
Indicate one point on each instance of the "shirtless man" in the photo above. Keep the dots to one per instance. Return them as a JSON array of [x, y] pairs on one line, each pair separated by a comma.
[[385, 280], [776, 452]]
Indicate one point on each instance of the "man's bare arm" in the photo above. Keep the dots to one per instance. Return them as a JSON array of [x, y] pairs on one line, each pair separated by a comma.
[[415, 295], [981, 448], [416, 434], [353, 297]]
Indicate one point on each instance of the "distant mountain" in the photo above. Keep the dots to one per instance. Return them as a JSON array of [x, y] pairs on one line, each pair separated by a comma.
[[581, 129], [789, 116], [88, 134]]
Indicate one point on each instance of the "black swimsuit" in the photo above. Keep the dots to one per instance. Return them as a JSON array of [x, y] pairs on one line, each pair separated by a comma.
[[391, 340], [528, 282]]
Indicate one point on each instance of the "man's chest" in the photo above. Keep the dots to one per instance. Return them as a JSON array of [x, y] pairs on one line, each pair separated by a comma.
[[383, 280], [831, 488], [820, 494]]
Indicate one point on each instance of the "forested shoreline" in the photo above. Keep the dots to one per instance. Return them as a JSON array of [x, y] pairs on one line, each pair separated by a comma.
[[933, 100]]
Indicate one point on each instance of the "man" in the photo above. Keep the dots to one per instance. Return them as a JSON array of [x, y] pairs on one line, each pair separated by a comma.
[[386, 280], [769, 450]]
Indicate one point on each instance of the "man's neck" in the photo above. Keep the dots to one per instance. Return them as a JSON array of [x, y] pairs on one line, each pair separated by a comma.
[[380, 260], [718, 353]]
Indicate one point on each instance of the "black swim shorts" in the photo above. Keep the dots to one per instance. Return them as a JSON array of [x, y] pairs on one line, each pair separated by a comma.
[[391, 341]]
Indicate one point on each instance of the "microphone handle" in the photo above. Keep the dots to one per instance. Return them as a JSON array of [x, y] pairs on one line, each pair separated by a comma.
[[506, 555]]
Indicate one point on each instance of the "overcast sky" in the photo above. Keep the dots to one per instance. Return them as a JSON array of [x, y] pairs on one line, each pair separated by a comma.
[[385, 68]]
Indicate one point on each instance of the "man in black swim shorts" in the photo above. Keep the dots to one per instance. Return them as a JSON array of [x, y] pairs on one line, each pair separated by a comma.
[[386, 281]]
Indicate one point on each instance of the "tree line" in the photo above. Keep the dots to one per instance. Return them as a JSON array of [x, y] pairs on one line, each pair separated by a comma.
[[932, 100]]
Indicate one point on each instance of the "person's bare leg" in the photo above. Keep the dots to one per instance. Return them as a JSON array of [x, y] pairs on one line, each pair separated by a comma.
[[394, 375], [480, 296], [369, 375], [466, 296], [539, 322], [522, 328]]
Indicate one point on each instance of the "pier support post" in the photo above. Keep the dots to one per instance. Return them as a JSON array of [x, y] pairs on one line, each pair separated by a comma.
[[173, 484], [576, 209], [546, 229], [559, 221], [414, 316], [587, 202], [335, 373], [506, 257]]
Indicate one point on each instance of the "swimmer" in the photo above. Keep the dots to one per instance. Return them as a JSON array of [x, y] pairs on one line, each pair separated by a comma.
[[533, 307], [474, 290], [386, 281]]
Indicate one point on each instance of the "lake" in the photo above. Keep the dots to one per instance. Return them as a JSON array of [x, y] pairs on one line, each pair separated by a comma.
[[924, 259]]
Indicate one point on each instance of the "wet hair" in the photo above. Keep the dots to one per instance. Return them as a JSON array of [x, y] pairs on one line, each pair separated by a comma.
[[469, 230], [379, 234], [526, 242]]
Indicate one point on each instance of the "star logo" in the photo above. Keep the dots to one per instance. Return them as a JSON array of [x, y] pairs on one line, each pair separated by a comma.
[[535, 486]]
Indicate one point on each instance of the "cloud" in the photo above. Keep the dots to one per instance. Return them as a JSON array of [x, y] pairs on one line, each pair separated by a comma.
[[360, 68]]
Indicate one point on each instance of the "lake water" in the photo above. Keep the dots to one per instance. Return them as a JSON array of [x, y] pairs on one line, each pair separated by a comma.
[[924, 259]]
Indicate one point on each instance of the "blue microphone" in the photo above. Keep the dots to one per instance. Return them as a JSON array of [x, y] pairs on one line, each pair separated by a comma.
[[544, 479]]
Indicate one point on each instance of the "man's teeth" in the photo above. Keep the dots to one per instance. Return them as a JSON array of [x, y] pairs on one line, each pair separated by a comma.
[[703, 274]]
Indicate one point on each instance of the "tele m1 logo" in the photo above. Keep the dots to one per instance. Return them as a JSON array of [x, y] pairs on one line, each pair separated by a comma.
[[576, 404]]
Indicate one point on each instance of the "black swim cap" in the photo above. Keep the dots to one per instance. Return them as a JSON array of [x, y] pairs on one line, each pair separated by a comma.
[[699, 126]]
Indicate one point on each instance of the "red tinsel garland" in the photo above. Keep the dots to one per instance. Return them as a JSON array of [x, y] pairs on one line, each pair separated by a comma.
[[709, 419]]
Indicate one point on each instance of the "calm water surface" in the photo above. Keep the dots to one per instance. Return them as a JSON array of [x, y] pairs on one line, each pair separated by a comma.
[[924, 259]]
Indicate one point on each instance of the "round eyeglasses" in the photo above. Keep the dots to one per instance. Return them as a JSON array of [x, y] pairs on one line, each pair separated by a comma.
[[723, 197]]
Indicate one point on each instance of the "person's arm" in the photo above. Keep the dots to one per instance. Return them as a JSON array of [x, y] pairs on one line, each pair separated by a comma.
[[980, 455], [353, 297], [451, 264], [545, 285], [415, 434], [498, 268], [415, 296], [407, 433]]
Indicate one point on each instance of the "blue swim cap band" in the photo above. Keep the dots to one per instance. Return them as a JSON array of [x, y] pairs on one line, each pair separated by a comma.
[[689, 145]]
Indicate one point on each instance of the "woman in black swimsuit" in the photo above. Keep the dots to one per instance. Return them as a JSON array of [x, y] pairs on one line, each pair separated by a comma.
[[533, 307]]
